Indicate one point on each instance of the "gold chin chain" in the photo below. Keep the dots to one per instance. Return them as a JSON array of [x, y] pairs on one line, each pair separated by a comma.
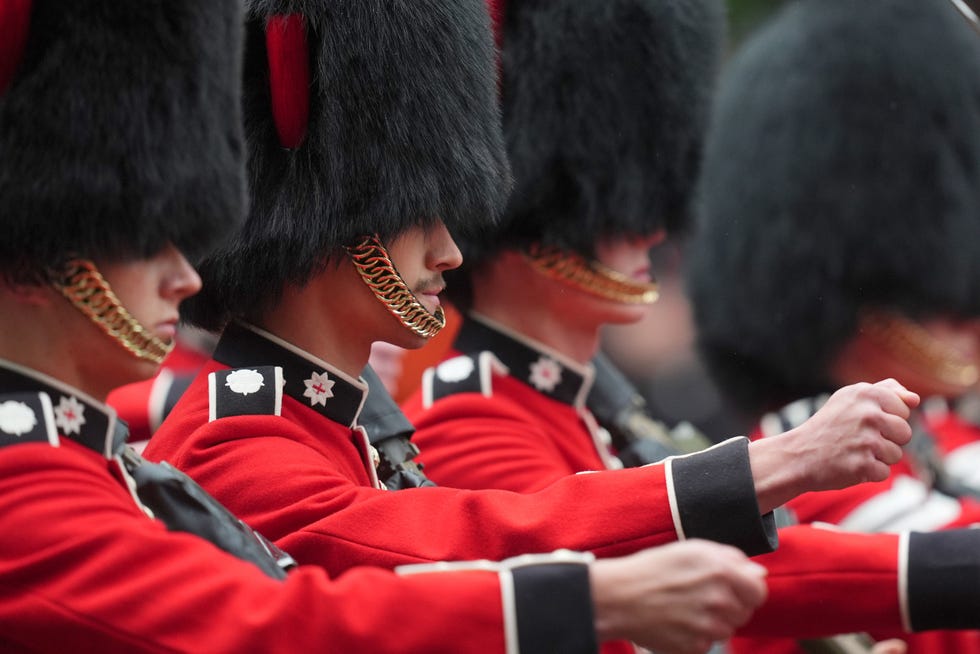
[[89, 292], [376, 269], [917, 348], [591, 276]]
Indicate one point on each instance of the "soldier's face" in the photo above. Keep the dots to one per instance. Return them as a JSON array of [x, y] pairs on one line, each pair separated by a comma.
[[421, 255], [629, 256], [939, 356], [151, 290]]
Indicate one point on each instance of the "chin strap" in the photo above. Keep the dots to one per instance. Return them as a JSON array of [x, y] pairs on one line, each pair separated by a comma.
[[373, 264], [917, 348], [90, 293], [591, 276]]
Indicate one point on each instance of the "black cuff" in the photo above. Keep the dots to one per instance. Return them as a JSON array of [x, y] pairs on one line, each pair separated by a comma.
[[944, 580], [715, 498], [553, 603]]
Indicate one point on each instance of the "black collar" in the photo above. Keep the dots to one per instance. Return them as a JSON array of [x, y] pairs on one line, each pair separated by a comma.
[[309, 380], [541, 368], [77, 416]]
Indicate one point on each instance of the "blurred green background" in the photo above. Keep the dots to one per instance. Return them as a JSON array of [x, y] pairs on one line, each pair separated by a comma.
[[745, 15]]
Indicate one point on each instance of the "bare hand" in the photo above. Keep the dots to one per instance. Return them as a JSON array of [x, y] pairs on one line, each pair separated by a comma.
[[855, 437], [678, 598], [893, 646]]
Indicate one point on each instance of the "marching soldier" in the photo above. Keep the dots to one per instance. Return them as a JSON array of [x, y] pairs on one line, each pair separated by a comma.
[[841, 238], [357, 178], [370, 140], [604, 104], [121, 155]]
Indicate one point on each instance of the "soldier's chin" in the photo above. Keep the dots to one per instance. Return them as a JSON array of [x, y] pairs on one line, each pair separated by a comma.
[[147, 369], [410, 340]]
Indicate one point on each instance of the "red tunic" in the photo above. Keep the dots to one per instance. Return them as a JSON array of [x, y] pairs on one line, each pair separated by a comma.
[[84, 569], [907, 500], [957, 440], [144, 404], [515, 427], [300, 474]]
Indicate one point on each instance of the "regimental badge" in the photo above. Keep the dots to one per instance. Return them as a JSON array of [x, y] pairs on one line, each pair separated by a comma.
[[27, 418], [318, 388], [467, 373], [16, 418], [245, 381], [69, 415], [244, 392], [545, 374], [455, 370]]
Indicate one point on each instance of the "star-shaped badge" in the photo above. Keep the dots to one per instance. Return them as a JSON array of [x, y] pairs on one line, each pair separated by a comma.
[[69, 415], [545, 374], [318, 388]]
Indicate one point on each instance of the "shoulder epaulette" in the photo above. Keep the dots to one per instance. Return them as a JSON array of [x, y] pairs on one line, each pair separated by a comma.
[[467, 373], [27, 418], [245, 392]]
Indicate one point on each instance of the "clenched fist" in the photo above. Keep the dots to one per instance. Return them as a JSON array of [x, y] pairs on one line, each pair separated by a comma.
[[855, 437], [676, 599]]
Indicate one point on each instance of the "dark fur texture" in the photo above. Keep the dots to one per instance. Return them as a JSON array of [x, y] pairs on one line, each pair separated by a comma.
[[842, 171], [404, 129], [605, 103], [121, 131]]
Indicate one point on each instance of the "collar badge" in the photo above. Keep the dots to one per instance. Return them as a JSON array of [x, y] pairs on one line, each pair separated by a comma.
[[545, 374], [455, 370], [16, 418], [69, 415], [318, 388], [245, 382]]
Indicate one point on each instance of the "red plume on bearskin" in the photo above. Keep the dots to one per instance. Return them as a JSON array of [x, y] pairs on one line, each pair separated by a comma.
[[497, 9], [15, 16], [289, 77], [403, 128]]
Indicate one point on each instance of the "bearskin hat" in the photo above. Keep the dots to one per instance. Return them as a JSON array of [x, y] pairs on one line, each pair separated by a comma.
[[604, 105], [119, 129], [841, 172], [362, 117]]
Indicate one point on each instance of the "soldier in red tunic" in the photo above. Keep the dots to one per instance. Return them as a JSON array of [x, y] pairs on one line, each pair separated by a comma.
[[122, 152], [359, 169], [603, 137], [851, 250]]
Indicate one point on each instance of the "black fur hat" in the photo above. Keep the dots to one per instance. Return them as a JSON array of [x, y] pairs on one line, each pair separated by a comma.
[[403, 128], [841, 172], [119, 130], [605, 103]]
